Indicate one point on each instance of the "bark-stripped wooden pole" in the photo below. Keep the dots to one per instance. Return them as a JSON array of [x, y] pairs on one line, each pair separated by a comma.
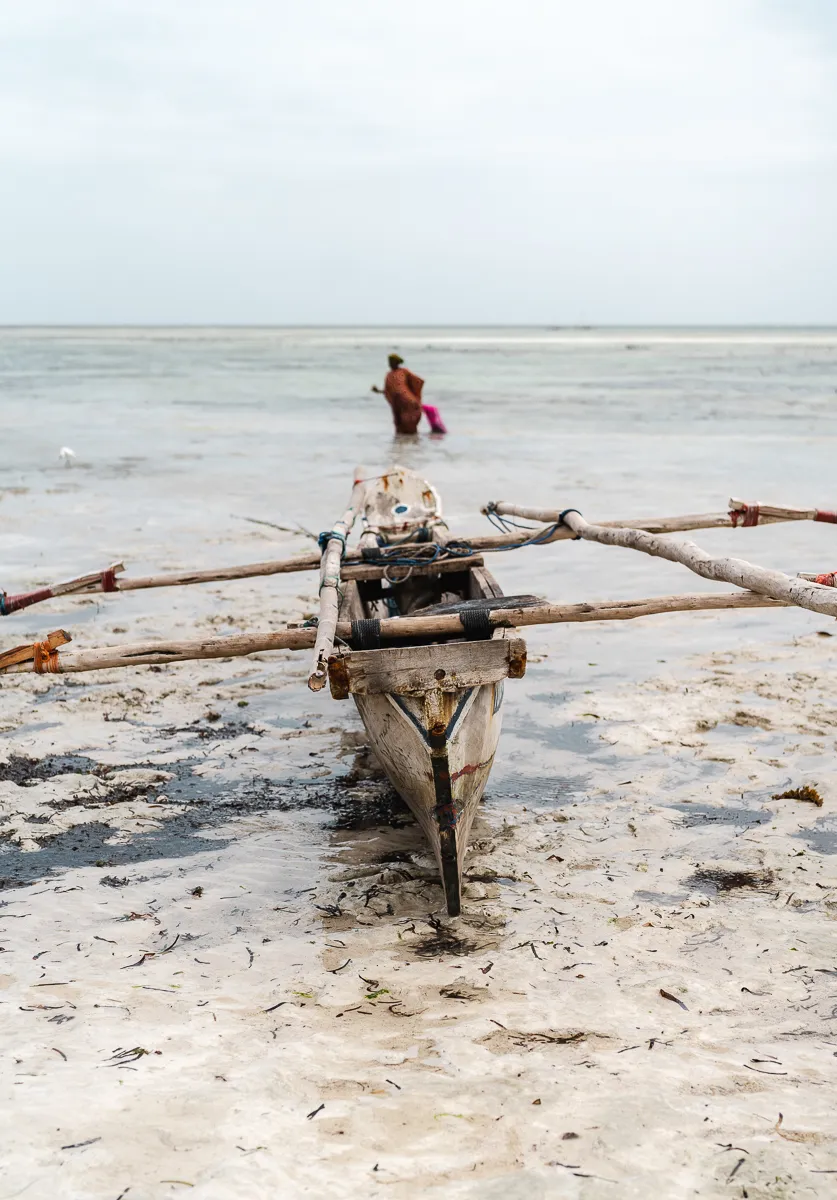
[[332, 554], [278, 566], [741, 513], [95, 581], [736, 571], [441, 625], [548, 516], [765, 514]]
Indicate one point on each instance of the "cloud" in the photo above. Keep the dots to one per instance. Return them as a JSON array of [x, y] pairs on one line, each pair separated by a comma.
[[233, 159]]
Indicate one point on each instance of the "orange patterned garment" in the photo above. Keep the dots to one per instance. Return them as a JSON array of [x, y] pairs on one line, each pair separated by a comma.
[[403, 391]]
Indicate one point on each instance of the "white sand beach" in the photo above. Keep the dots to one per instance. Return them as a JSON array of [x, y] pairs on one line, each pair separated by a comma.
[[252, 989]]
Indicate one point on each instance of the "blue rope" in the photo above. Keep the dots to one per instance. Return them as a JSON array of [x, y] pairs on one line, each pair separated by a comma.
[[507, 525], [406, 560], [542, 538], [456, 548], [325, 538]]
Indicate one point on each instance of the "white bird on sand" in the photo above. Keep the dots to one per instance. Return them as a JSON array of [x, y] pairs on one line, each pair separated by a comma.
[[66, 455]]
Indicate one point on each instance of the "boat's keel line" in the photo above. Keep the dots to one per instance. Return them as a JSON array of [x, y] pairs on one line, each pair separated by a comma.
[[431, 716], [446, 816]]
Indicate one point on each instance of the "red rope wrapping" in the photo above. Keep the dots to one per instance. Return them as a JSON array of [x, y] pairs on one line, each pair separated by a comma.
[[109, 580], [828, 580], [749, 513], [821, 514], [45, 659], [23, 600]]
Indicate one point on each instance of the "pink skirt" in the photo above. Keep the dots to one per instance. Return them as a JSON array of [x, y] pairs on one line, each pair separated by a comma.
[[433, 415]]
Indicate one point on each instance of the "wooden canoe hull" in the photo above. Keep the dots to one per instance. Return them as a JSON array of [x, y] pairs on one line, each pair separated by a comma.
[[433, 709], [433, 715], [437, 749]]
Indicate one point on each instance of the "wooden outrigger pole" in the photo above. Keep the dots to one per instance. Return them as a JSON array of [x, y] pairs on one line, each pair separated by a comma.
[[764, 589], [803, 590], [358, 565], [333, 546], [737, 571], [740, 514], [304, 638], [96, 581]]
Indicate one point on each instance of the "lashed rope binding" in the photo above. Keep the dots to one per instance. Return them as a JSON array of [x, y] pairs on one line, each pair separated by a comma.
[[748, 514], [476, 623], [507, 525], [335, 535], [45, 659], [43, 655], [366, 634]]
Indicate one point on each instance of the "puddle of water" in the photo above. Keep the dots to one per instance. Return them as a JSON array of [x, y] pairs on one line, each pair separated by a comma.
[[536, 791], [551, 698], [821, 837], [86, 845], [36, 727], [742, 731], [702, 815], [667, 899], [580, 737]]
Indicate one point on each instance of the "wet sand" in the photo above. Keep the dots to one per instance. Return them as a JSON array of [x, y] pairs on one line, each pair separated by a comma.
[[226, 971]]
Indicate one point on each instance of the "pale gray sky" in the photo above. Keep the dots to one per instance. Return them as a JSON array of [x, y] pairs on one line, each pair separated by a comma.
[[373, 161]]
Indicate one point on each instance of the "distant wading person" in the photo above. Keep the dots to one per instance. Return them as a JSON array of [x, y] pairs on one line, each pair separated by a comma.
[[403, 391]]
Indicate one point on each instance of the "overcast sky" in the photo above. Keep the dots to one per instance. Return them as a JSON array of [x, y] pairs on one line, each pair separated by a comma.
[[447, 161]]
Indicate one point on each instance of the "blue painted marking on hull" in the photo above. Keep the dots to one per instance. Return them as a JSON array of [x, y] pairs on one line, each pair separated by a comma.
[[411, 716]]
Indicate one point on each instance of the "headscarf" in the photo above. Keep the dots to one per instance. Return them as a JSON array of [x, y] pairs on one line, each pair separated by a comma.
[[395, 360]]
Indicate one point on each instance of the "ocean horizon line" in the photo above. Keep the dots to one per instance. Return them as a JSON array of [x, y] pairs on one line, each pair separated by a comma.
[[544, 327]]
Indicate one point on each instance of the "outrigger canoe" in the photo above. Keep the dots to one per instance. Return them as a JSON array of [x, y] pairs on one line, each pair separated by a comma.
[[429, 688], [432, 707]]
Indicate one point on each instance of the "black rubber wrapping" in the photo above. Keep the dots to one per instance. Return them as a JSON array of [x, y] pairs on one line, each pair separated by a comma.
[[561, 521], [476, 623], [366, 635]]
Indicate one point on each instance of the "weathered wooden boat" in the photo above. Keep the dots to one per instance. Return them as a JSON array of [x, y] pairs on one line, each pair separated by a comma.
[[432, 706]]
